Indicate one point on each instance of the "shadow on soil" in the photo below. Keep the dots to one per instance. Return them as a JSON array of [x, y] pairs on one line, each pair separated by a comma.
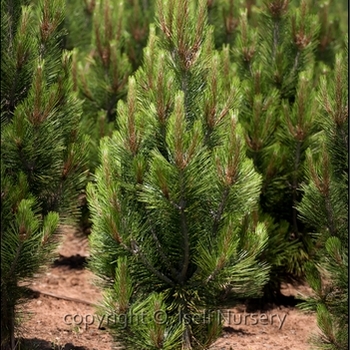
[[231, 330], [263, 304], [74, 262], [254, 305], [40, 344]]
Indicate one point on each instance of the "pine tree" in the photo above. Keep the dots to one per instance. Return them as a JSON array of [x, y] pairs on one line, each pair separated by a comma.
[[275, 50], [172, 196], [103, 58], [78, 24], [139, 14], [325, 206], [100, 74], [101, 69], [43, 154], [224, 17], [333, 18], [281, 49]]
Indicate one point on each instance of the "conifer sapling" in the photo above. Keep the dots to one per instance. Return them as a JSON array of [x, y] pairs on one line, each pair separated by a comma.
[[43, 154], [174, 189]]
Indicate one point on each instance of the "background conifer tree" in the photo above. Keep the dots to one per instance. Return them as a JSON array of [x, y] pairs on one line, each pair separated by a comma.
[[107, 38], [101, 74], [275, 50], [43, 153], [172, 195], [333, 19], [117, 32], [281, 49], [78, 25], [325, 206]]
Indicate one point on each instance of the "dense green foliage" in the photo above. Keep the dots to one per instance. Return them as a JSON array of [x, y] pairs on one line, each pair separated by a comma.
[[214, 133], [43, 154], [281, 52], [325, 206], [173, 192]]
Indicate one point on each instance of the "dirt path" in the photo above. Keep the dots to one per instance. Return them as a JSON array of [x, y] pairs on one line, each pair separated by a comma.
[[62, 313]]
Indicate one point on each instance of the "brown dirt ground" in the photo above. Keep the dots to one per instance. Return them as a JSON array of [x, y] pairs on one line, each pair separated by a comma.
[[66, 288]]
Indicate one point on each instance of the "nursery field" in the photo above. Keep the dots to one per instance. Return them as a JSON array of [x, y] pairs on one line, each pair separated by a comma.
[[206, 145], [62, 314]]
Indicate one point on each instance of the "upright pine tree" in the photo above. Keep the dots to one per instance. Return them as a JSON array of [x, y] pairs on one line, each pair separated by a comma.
[[325, 206], [101, 72], [107, 39], [43, 155], [171, 198], [78, 24], [276, 62]]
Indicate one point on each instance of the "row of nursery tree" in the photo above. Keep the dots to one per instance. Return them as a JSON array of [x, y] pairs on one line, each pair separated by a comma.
[[204, 141]]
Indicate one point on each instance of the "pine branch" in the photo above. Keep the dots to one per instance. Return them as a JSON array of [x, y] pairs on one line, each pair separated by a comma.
[[276, 35], [185, 234], [175, 273], [14, 262], [295, 186], [136, 251], [220, 211], [330, 215]]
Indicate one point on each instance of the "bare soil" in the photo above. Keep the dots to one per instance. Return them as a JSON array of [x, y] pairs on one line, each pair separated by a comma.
[[61, 314]]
